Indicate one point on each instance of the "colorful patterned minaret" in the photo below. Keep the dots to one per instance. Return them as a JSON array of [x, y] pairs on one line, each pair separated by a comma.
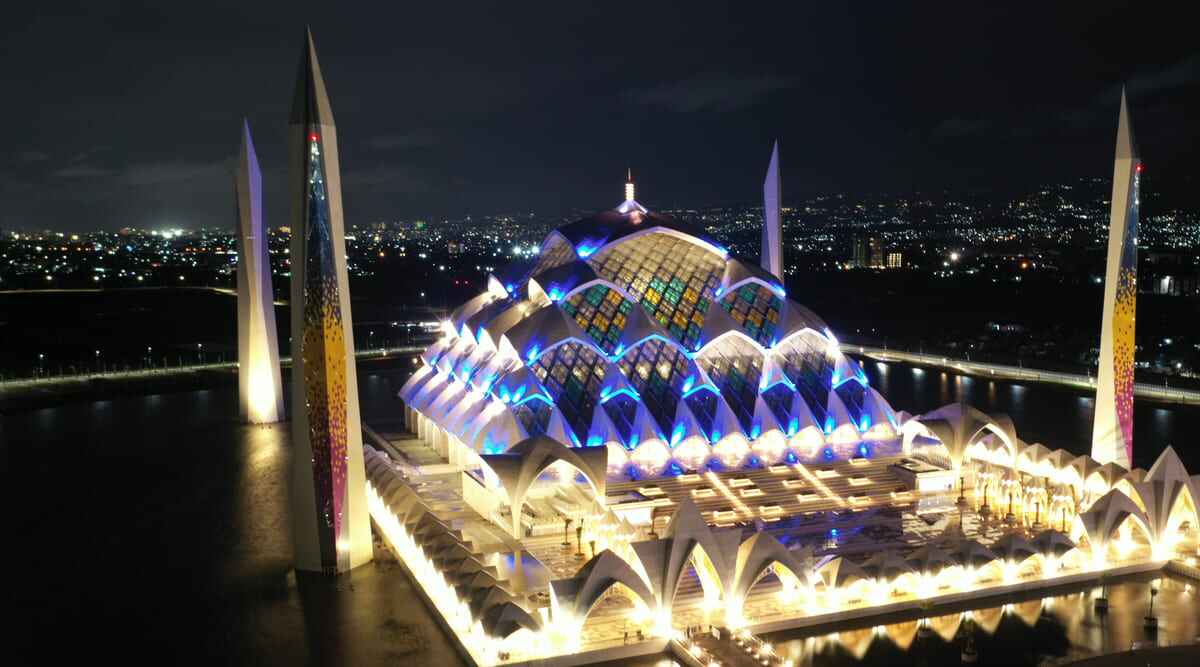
[[331, 528], [259, 390], [772, 234], [1112, 433]]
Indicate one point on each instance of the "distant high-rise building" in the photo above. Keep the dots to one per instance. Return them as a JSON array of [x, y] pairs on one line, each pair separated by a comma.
[[860, 257], [1112, 431], [259, 388], [895, 260], [331, 526], [876, 249]]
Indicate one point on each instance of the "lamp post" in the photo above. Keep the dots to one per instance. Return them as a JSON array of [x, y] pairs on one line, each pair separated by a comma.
[[566, 531], [1151, 619]]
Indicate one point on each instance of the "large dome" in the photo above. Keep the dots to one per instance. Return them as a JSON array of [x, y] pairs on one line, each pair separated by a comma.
[[635, 331]]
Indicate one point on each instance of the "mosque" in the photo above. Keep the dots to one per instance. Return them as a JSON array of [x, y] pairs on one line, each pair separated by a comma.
[[636, 433]]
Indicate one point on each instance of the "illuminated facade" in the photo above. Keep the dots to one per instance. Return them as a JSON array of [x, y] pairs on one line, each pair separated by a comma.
[[332, 530], [640, 433], [260, 392], [1112, 433]]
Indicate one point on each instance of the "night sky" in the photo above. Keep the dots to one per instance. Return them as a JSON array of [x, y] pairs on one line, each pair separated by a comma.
[[128, 114]]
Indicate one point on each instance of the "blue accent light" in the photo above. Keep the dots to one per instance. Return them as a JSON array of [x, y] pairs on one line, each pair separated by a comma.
[[604, 398], [716, 435], [829, 424], [633, 441], [699, 388], [864, 423], [827, 453], [833, 533], [793, 426], [864, 450], [532, 355], [504, 395], [687, 384], [619, 349], [835, 380], [754, 431], [673, 470], [779, 289], [594, 441], [490, 447], [574, 439], [532, 397], [677, 434], [510, 287], [790, 457], [479, 333], [518, 394], [555, 294], [719, 292], [588, 247]]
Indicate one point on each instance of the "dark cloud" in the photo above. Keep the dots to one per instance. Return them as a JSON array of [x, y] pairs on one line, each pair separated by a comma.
[[716, 92], [133, 111], [956, 128], [1181, 74], [421, 138], [156, 174], [83, 171]]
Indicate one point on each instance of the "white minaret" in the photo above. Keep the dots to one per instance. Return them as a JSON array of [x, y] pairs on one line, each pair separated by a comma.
[[260, 392], [772, 234], [1112, 432], [332, 531]]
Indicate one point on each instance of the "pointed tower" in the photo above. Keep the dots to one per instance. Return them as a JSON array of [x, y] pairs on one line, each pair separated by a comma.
[[630, 205], [329, 507], [772, 234], [260, 393], [1112, 432]]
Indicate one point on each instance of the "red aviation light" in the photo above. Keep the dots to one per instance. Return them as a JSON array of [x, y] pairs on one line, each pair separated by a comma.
[[312, 136], [1139, 167]]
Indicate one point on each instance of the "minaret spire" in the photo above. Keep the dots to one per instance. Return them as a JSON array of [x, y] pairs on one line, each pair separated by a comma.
[[1112, 431], [772, 233], [629, 189], [331, 531], [260, 392]]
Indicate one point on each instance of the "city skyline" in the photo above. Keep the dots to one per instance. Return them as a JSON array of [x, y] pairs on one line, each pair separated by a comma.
[[563, 114]]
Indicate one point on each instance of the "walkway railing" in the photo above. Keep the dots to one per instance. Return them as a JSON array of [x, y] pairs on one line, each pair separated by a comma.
[[1005, 372], [148, 373]]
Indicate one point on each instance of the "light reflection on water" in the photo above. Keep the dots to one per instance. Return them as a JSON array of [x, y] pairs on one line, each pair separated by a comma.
[[1016, 633], [210, 494], [1058, 417]]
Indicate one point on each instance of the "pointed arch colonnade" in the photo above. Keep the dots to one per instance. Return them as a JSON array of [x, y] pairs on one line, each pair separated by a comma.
[[1150, 521]]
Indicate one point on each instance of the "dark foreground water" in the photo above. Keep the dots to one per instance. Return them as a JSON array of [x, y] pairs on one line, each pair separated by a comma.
[[155, 528]]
